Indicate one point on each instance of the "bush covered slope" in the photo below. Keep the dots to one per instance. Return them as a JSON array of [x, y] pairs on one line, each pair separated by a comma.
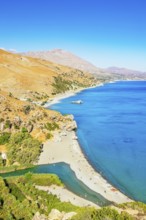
[[19, 199]]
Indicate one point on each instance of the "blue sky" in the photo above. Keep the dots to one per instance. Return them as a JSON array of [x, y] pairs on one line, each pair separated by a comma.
[[105, 32]]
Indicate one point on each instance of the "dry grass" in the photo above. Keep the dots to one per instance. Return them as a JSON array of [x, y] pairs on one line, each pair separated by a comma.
[[20, 75]]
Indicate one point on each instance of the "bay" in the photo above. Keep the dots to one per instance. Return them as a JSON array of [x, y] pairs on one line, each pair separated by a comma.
[[112, 132]]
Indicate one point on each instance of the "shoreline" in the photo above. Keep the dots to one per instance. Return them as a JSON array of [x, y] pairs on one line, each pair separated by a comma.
[[59, 97], [66, 148], [67, 196]]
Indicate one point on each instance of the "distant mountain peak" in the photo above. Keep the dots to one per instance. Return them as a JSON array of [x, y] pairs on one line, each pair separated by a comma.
[[66, 58], [122, 70]]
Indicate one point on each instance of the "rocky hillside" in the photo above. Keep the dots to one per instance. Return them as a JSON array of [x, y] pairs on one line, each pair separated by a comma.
[[17, 115], [65, 58], [36, 79], [23, 128]]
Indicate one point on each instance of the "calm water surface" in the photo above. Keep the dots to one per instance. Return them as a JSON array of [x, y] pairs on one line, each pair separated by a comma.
[[112, 132], [68, 177]]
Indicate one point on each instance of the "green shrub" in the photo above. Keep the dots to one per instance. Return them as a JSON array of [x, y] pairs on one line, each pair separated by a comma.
[[27, 109], [24, 130], [134, 205], [105, 213], [16, 127], [1, 120], [10, 94], [45, 179], [22, 148], [19, 199], [60, 85], [4, 138], [7, 124], [1, 161], [51, 126], [49, 135]]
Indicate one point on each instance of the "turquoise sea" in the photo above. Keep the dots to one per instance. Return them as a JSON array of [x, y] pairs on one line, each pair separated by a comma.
[[112, 132]]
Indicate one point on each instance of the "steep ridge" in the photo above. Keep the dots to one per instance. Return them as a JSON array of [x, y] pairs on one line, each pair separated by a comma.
[[27, 77], [69, 59], [65, 58]]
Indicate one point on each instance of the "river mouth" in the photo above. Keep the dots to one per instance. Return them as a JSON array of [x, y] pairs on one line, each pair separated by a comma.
[[68, 177]]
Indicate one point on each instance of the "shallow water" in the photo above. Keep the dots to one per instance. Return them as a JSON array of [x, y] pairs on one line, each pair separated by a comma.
[[69, 178], [112, 132]]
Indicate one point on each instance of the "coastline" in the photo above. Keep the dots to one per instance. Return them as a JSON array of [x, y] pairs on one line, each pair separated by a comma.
[[59, 97], [65, 148]]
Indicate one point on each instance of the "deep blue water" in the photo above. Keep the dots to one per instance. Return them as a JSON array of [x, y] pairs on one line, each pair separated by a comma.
[[112, 132]]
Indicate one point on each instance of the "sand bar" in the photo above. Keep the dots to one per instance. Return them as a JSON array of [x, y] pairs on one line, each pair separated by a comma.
[[67, 196], [65, 148]]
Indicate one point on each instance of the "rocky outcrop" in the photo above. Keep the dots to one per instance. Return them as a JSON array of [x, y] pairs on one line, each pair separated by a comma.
[[2, 126], [17, 121], [71, 126], [70, 117], [29, 127], [39, 216], [57, 215], [54, 215]]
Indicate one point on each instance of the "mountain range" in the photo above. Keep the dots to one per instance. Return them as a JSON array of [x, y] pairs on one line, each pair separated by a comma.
[[124, 71], [65, 58], [27, 77], [69, 59]]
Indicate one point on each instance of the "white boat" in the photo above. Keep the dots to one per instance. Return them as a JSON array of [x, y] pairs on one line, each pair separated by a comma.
[[77, 102]]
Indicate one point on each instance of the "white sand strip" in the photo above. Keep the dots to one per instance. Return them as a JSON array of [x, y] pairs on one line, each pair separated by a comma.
[[67, 94], [67, 196], [66, 149]]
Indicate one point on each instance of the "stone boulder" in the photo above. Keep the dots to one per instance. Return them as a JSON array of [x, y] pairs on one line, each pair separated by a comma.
[[71, 126], [2, 126], [29, 128], [57, 215], [39, 216], [17, 121]]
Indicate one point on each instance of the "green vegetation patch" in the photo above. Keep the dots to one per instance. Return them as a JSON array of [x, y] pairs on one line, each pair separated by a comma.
[[7, 169], [23, 148], [19, 199], [141, 207], [4, 138], [61, 85], [51, 126], [105, 213], [43, 179]]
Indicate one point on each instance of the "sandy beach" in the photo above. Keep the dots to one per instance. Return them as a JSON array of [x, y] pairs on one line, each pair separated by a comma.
[[67, 196], [65, 148], [67, 94]]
